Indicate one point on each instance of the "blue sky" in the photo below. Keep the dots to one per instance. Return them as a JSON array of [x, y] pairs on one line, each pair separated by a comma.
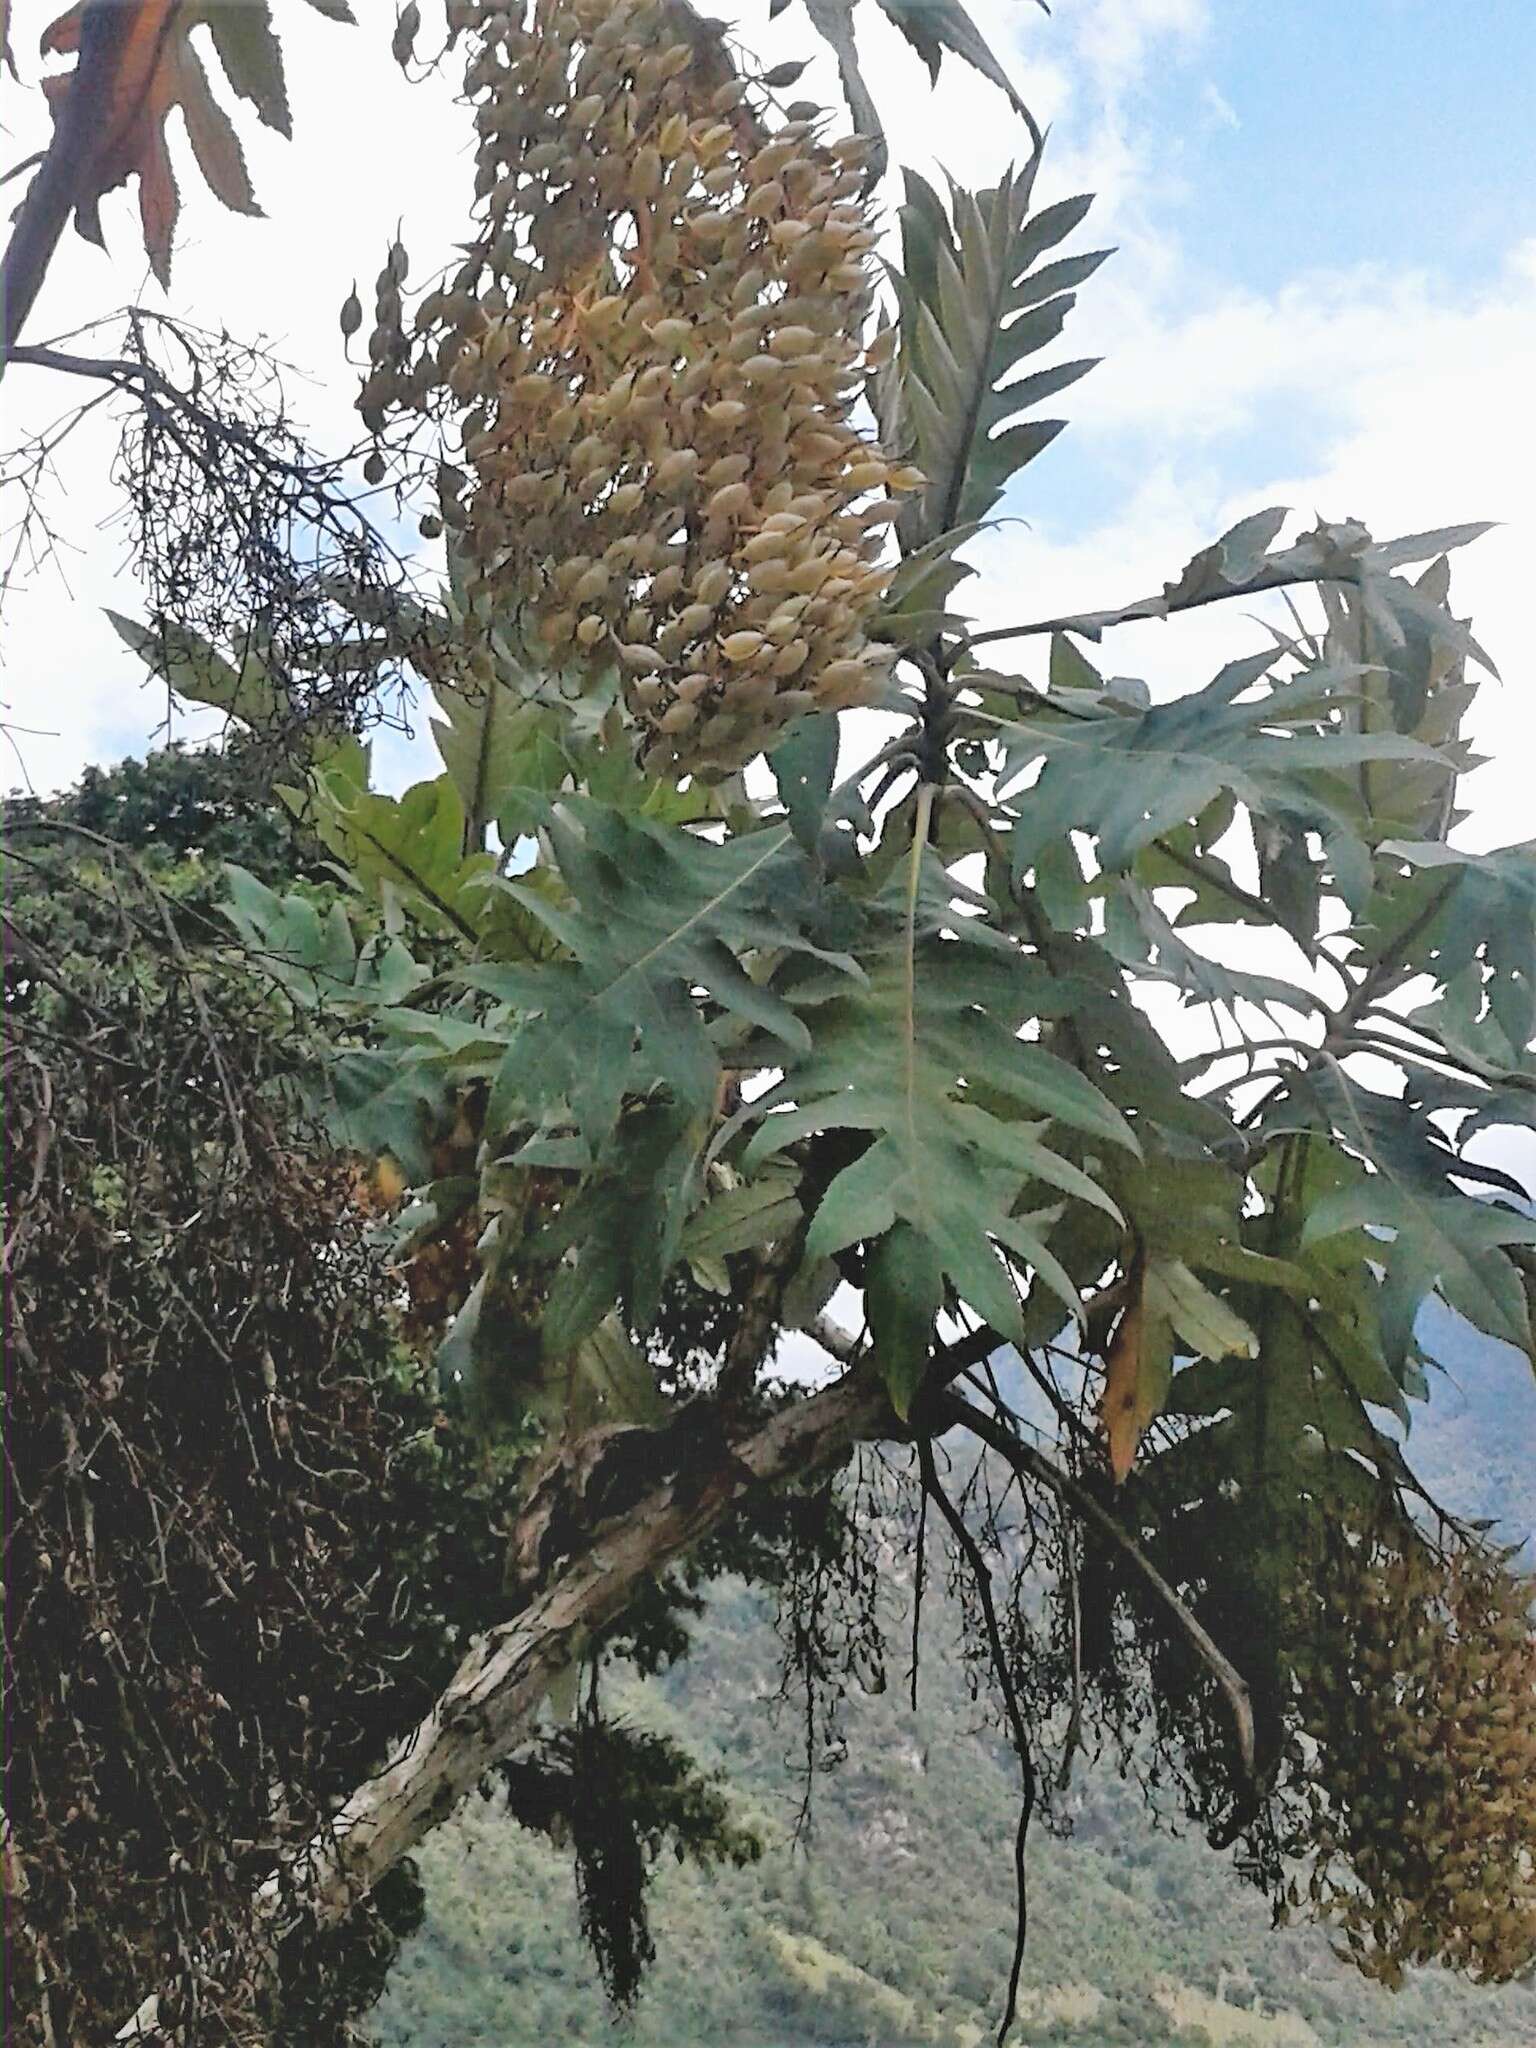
[[1280, 141], [1397, 132]]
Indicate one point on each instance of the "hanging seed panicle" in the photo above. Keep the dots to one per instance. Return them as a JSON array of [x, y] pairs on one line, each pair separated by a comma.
[[651, 350], [1415, 1675]]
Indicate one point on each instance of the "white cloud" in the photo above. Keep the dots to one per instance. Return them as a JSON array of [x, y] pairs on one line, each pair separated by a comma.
[[1427, 422], [1220, 108]]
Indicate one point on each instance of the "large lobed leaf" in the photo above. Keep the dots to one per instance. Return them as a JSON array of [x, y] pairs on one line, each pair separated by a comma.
[[147, 68], [974, 307], [923, 1059], [655, 913]]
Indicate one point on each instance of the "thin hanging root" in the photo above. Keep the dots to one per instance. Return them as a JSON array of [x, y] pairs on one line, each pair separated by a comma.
[[977, 1564]]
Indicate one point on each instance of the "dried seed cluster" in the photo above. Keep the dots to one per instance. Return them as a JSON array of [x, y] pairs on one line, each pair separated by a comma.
[[655, 345], [1418, 1688]]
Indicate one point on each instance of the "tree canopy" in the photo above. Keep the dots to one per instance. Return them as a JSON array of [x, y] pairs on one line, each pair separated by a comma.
[[777, 933]]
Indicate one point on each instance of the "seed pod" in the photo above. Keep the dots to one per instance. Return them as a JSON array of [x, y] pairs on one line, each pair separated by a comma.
[[672, 335], [645, 173], [712, 583], [637, 656], [726, 469], [759, 369], [715, 733], [726, 412], [351, 314], [678, 717], [624, 500], [590, 630], [770, 578], [676, 469], [729, 501]]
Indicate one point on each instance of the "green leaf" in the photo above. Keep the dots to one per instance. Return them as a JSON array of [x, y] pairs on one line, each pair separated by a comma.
[[751, 1213], [1416, 1222], [1172, 1293], [1127, 777], [804, 764], [1483, 911], [252, 58], [904, 1290], [925, 1059], [196, 670], [617, 1376], [481, 736], [933, 27], [833, 21], [971, 315], [317, 959], [380, 1102], [407, 851], [655, 913]]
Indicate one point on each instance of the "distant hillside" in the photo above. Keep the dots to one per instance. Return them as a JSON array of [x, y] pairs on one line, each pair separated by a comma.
[[895, 1926], [1474, 1445]]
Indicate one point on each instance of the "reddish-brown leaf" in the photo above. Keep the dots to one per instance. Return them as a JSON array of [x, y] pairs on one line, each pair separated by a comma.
[[1119, 1403], [1136, 1366], [149, 68]]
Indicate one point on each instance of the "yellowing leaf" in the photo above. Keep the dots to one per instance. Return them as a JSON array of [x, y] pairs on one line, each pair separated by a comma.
[[1124, 1406], [1165, 1302]]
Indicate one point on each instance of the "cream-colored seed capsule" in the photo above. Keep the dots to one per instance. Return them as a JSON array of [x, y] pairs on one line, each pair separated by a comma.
[[712, 583], [725, 361], [729, 501]]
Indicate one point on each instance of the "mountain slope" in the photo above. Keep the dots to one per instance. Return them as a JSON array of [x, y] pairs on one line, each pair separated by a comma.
[[893, 1923]]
